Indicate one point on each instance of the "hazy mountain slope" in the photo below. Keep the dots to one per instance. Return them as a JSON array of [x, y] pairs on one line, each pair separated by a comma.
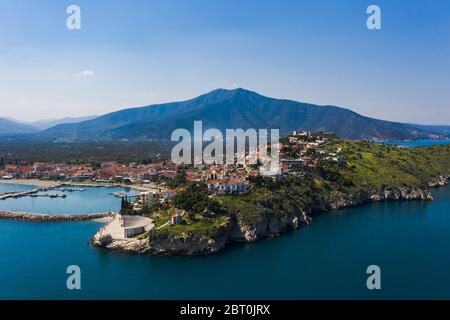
[[225, 109], [8, 127], [48, 123], [437, 129]]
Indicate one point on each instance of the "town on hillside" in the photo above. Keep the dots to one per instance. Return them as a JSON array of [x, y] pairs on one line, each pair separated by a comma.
[[160, 181]]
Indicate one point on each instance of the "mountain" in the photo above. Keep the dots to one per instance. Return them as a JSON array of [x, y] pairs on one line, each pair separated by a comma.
[[8, 127], [227, 109], [432, 128], [45, 124], [48, 123]]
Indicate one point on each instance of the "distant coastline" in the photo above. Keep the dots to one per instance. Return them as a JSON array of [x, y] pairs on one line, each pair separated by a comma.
[[416, 142]]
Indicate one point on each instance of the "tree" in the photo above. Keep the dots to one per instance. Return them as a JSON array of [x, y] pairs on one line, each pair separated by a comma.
[[126, 207], [180, 179], [195, 198]]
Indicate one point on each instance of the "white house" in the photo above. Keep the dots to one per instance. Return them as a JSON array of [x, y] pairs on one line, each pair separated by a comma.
[[225, 186]]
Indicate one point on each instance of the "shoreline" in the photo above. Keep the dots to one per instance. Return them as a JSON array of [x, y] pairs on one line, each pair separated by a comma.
[[29, 182], [50, 183], [233, 232]]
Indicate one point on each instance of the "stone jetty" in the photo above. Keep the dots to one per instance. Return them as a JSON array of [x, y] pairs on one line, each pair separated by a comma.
[[42, 217]]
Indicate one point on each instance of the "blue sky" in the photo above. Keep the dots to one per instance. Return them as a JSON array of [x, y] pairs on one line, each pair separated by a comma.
[[132, 53]]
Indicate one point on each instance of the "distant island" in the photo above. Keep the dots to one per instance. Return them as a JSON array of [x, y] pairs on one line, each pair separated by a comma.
[[213, 206]]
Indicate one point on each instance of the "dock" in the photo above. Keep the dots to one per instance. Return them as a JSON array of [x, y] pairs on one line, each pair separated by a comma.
[[48, 195], [73, 189], [123, 195], [27, 193]]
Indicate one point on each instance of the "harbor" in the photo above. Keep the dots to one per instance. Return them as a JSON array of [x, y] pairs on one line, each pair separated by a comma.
[[61, 198], [32, 193]]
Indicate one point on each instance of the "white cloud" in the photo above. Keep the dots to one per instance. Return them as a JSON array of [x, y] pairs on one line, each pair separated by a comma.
[[85, 74]]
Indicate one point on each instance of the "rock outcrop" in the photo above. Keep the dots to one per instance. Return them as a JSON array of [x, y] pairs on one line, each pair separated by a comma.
[[340, 200], [165, 243], [439, 182], [269, 225]]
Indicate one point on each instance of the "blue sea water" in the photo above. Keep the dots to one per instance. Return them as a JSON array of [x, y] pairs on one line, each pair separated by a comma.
[[410, 241], [14, 187], [418, 143], [92, 200]]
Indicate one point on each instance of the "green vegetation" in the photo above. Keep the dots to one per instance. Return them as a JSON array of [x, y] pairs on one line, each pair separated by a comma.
[[272, 198], [359, 167], [362, 166], [194, 224], [179, 180], [126, 207], [194, 198], [27, 151], [380, 166]]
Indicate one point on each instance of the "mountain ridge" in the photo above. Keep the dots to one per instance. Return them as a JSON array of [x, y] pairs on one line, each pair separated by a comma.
[[48, 123], [238, 108], [8, 127]]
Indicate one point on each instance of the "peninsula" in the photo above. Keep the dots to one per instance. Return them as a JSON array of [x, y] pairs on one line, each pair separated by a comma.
[[212, 206]]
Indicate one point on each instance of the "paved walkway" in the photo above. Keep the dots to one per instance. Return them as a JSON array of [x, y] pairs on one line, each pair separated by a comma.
[[116, 228]]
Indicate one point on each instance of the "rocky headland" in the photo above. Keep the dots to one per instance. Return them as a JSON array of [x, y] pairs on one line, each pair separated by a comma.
[[234, 230]]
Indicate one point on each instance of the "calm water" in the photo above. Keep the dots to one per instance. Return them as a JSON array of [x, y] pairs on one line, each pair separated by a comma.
[[418, 143], [410, 241], [92, 200], [14, 187]]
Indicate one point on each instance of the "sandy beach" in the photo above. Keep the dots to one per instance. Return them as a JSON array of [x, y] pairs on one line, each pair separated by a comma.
[[30, 182]]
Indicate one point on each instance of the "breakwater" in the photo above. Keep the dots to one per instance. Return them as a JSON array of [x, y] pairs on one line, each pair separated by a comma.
[[43, 217]]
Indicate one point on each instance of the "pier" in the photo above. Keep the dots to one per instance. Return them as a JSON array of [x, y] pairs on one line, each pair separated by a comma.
[[73, 189], [123, 195], [27, 193], [49, 195]]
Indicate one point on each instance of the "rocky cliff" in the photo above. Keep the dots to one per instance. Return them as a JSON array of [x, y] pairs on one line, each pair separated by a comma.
[[269, 225], [165, 243]]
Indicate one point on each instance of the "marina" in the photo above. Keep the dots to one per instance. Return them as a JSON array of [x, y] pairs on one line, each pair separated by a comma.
[[52, 200], [33, 193]]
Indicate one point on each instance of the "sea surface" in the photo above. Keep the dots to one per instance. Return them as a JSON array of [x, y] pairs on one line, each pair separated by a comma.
[[91, 200], [418, 143], [14, 187], [409, 241]]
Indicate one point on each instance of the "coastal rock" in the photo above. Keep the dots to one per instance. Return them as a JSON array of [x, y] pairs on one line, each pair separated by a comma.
[[441, 181], [269, 226], [341, 200], [164, 243], [139, 246], [271, 222]]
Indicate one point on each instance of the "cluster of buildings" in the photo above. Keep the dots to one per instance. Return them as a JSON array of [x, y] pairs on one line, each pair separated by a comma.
[[298, 154], [103, 172]]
